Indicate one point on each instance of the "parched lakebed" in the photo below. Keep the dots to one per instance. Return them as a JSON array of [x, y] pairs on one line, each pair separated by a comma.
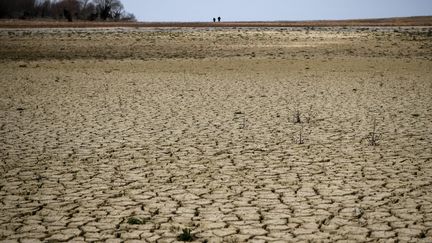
[[236, 134]]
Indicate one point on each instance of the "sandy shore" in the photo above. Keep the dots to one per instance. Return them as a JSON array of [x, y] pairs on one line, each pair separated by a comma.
[[238, 134]]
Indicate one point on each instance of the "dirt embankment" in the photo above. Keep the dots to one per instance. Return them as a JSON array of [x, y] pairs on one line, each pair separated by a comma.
[[403, 21]]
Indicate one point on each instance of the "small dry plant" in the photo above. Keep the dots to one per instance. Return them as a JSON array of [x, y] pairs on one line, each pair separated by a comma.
[[299, 138], [310, 115], [298, 117], [186, 235], [374, 137]]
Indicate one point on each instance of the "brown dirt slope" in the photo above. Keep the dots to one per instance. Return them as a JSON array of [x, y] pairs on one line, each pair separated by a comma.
[[402, 21]]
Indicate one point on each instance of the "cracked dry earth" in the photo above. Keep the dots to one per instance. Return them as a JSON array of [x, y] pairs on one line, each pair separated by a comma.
[[123, 150]]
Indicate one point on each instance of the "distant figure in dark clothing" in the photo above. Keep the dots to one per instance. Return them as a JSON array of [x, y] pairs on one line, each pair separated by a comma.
[[214, 20], [219, 19]]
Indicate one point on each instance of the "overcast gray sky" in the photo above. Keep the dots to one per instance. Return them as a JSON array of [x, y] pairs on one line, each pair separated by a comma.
[[267, 10]]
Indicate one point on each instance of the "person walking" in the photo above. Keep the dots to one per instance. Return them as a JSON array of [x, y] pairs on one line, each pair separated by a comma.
[[219, 19], [214, 20]]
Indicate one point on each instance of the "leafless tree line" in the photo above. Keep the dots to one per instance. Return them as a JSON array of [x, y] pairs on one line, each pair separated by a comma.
[[65, 9]]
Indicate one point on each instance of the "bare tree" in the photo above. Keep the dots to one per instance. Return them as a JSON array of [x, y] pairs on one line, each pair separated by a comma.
[[17, 8], [28, 6], [84, 3], [72, 7], [104, 8], [43, 8], [109, 9], [89, 11], [5, 8], [79, 9], [128, 16], [84, 13], [117, 10]]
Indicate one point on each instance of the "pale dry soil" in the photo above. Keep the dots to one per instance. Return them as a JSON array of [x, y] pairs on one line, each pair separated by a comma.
[[195, 129]]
